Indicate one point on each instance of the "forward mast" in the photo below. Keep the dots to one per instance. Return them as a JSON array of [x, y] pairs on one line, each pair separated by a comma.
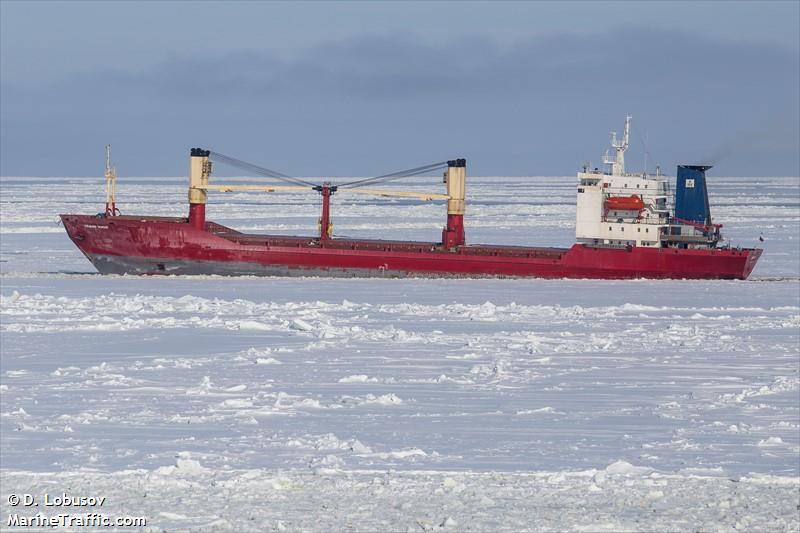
[[111, 185]]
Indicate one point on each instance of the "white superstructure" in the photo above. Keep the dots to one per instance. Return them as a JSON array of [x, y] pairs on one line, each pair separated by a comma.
[[617, 208]]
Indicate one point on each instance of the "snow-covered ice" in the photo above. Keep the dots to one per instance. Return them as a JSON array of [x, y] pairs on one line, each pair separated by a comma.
[[239, 404]]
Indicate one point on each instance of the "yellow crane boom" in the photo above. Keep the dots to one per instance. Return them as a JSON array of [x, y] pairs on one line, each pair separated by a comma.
[[388, 193]]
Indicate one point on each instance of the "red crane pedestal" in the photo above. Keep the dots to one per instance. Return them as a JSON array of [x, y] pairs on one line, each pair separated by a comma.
[[453, 234], [197, 216], [325, 227]]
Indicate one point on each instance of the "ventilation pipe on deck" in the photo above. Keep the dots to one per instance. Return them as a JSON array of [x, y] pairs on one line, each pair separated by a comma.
[[455, 180], [199, 171]]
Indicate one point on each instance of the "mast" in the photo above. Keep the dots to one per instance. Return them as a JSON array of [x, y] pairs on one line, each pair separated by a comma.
[[619, 146], [111, 185]]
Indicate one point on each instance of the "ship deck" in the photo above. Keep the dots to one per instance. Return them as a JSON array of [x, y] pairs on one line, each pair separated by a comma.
[[379, 245]]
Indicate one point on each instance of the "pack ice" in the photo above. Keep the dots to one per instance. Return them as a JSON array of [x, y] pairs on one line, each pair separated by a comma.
[[245, 404]]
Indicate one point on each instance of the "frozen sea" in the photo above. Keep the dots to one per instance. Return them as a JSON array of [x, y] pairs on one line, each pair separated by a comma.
[[312, 404]]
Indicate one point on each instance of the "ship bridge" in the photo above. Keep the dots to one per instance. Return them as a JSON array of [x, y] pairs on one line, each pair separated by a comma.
[[620, 209]]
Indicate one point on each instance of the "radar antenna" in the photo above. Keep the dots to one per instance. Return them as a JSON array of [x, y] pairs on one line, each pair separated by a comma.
[[617, 162]]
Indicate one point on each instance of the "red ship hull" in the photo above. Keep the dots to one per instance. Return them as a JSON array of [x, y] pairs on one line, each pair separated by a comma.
[[157, 245]]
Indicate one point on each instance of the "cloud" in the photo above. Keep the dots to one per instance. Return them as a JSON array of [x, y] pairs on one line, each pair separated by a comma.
[[376, 103], [392, 67]]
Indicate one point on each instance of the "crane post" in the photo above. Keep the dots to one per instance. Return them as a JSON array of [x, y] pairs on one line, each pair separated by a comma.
[[455, 180], [325, 226], [199, 172]]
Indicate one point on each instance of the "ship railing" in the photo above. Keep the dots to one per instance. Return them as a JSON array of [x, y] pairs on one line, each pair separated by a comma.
[[696, 225]]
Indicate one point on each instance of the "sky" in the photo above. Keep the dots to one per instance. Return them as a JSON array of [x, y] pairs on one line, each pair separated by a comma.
[[366, 88]]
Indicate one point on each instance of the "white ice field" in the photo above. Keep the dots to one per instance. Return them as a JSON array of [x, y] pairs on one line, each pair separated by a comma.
[[310, 404]]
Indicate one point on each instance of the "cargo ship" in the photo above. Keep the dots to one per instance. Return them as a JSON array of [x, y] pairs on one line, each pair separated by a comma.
[[625, 229]]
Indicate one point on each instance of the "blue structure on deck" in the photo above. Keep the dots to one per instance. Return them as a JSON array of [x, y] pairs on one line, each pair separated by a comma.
[[691, 195]]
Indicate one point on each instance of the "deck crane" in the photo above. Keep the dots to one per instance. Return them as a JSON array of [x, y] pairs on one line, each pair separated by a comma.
[[201, 166]]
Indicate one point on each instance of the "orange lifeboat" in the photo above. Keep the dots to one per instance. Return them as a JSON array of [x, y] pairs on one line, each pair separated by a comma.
[[632, 203]]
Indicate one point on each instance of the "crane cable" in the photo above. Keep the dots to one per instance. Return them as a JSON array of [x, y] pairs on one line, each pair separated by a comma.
[[262, 171], [394, 175], [222, 158]]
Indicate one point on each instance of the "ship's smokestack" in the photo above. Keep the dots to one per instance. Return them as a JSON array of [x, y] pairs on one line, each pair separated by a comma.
[[455, 178], [691, 194], [199, 171]]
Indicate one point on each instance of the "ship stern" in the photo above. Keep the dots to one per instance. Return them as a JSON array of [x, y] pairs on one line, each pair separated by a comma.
[[753, 255]]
